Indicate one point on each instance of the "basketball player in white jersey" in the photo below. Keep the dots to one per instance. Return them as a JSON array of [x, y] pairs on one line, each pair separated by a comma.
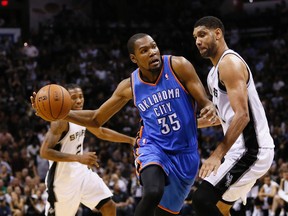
[[247, 150], [281, 199], [69, 180]]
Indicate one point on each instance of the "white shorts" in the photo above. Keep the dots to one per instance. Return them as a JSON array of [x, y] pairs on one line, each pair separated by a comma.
[[283, 195], [89, 192], [235, 176]]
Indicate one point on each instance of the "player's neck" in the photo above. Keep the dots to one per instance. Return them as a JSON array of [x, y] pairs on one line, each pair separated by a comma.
[[219, 53], [149, 77]]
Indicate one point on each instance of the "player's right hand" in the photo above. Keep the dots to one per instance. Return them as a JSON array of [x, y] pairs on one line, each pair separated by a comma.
[[89, 158]]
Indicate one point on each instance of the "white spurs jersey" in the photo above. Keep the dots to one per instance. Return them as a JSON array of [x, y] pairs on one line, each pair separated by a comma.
[[67, 174], [256, 134]]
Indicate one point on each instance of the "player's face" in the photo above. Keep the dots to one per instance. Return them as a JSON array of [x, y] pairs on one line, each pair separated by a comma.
[[147, 55], [77, 98], [205, 41]]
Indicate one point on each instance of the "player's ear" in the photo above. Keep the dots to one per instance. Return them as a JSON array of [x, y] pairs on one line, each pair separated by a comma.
[[132, 58], [218, 33]]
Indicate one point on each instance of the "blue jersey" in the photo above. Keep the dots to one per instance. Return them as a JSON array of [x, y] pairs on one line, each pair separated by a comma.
[[168, 136], [168, 111]]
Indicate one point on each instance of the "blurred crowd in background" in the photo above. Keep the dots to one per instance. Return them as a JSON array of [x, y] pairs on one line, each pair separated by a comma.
[[91, 51]]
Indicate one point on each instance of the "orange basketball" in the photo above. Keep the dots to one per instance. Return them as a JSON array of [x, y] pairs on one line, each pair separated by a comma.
[[53, 102]]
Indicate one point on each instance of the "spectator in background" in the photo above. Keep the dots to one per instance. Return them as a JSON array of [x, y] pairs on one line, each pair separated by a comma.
[[30, 50], [5, 175], [278, 83], [42, 167], [4, 207], [115, 179], [6, 138], [135, 189], [280, 201], [264, 200], [3, 187], [17, 204], [35, 206], [33, 148], [124, 203]]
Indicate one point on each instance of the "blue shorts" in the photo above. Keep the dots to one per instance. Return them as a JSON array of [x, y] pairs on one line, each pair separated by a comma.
[[180, 168]]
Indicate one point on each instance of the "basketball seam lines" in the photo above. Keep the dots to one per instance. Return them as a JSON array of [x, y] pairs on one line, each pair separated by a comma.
[[49, 96], [62, 102]]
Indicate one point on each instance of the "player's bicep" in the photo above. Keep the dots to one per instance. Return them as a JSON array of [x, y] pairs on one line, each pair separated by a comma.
[[234, 80], [119, 98], [186, 72], [53, 135]]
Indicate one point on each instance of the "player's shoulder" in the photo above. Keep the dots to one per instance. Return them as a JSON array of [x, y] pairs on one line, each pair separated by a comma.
[[231, 57], [232, 62], [125, 83], [124, 88], [181, 65], [178, 59]]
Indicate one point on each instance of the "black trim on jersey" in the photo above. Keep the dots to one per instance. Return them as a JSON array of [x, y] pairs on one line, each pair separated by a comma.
[[103, 202], [227, 202], [249, 133], [50, 180], [220, 85], [246, 161]]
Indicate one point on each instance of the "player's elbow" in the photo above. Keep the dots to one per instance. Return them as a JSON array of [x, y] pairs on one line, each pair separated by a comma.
[[43, 153], [97, 131], [95, 121], [244, 117]]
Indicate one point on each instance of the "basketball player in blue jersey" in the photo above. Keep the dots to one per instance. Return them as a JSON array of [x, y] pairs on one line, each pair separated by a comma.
[[69, 180], [247, 150], [167, 91]]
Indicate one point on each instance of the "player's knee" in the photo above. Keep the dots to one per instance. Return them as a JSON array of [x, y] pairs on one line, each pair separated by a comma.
[[205, 199], [205, 194], [153, 193], [198, 197]]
